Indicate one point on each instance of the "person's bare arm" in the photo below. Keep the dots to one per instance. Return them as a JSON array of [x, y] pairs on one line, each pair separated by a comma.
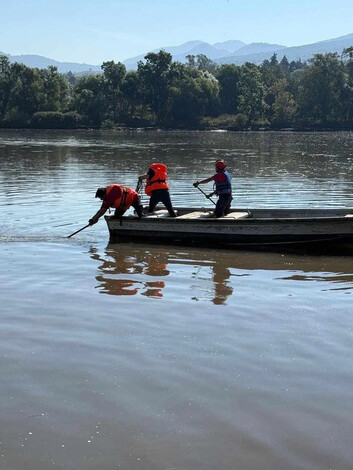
[[206, 180], [97, 215]]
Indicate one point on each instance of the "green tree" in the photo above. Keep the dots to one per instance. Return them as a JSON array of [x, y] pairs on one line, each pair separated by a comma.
[[25, 95], [284, 64], [322, 89], [154, 76], [228, 77], [55, 91], [191, 60], [347, 56], [5, 84], [132, 96], [251, 93], [271, 72], [205, 64], [191, 97], [284, 107], [89, 99], [71, 78], [113, 77]]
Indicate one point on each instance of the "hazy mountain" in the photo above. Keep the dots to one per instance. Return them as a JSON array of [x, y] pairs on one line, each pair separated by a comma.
[[212, 51], [176, 51], [292, 53], [183, 49], [204, 48], [41, 62], [230, 46], [234, 51], [258, 47], [180, 52]]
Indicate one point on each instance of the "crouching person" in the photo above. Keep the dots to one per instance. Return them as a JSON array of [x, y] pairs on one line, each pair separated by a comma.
[[119, 197]]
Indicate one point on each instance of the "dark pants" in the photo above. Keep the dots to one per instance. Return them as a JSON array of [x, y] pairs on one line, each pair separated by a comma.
[[161, 195], [136, 205], [223, 205]]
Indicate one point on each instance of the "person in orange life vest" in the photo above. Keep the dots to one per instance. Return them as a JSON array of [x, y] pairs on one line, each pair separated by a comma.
[[157, 187], [119, 197], [223, 188]]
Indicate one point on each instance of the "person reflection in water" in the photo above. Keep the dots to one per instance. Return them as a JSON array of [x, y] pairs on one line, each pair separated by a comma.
[[140, 265], [119, 197], [129, 271], [222, 289]]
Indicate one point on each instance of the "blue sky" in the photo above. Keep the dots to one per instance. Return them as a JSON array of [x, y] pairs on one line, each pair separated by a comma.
[[93, 31]]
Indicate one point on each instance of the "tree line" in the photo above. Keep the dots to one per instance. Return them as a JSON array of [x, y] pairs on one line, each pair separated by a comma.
[[198, 94]]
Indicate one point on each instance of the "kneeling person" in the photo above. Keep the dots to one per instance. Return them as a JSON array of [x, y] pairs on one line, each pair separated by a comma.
[[119, 197]]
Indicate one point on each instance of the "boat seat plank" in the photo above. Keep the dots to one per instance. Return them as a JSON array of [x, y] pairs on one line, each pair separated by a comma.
[[195, 215], [157, 214], [236, 215]]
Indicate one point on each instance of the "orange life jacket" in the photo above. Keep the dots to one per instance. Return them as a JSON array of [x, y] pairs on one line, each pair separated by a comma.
[[125, 199], [159, 180]]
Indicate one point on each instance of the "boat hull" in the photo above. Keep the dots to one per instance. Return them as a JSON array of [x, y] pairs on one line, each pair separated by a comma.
[[261, 228]]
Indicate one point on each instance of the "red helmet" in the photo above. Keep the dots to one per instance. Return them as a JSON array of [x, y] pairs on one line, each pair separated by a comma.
[[220, 164]]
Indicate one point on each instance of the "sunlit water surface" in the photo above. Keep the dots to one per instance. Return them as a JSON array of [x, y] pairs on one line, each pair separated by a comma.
[[152, 357]]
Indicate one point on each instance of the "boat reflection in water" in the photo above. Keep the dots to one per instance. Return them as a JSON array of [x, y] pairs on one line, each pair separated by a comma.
[[205, 274], [128, 269]]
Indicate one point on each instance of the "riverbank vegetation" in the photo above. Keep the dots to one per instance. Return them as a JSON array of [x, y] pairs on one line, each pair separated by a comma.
[[200, 94]]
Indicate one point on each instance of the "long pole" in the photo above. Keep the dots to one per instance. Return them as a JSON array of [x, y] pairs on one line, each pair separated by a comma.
[[203, 192], [138, 186], [78, 231]]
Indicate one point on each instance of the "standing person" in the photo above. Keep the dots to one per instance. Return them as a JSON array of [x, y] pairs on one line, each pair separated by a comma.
[[157, 187], [223, 188], [119, 197]]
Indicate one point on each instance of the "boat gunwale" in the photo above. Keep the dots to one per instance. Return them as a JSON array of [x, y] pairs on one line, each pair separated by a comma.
[[231, 221]]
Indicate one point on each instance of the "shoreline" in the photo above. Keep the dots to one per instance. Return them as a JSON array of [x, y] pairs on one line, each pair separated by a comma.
[[186, 129]]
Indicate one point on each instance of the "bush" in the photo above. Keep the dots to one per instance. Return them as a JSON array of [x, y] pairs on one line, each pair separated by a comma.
[[72, 120], [55, 120], [139, 122], [16, 119], [227, 121], [107, 124], [261, 123]]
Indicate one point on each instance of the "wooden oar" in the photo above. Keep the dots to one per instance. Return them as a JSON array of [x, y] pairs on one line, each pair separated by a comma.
[[78, 231], [203, 192]]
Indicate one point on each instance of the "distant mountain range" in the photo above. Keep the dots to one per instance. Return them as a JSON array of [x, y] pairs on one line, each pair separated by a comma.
[[302, 53], [41, 62], [228, 52], [216, 52]]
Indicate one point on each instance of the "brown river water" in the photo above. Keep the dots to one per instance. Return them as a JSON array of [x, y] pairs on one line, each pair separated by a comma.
[[136, 356]]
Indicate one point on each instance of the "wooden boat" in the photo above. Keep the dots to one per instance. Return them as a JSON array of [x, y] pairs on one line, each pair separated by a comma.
[[240, 228]]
